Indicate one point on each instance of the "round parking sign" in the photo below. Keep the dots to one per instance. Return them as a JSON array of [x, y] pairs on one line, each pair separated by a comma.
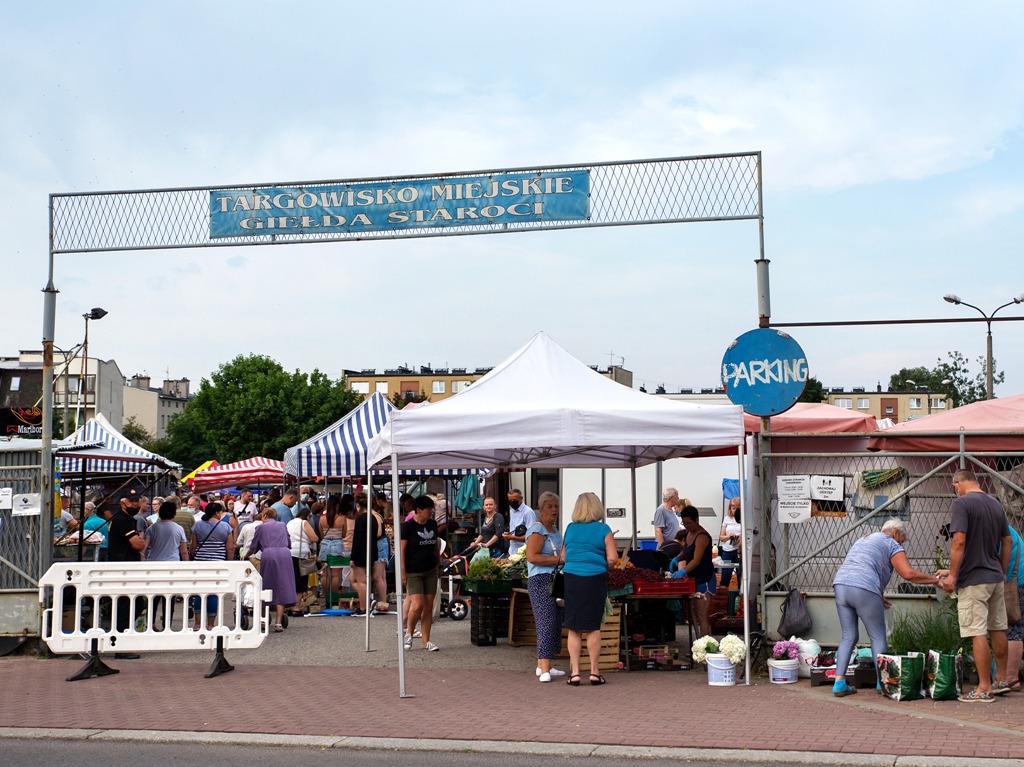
[[765, 371]]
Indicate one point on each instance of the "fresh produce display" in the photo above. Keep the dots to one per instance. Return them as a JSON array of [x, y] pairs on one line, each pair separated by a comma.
[[617, 579], [487, 570], [514, 568], [643, 574]]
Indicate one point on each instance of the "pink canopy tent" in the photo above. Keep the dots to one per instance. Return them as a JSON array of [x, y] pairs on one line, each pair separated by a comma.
[[253, 471], [1005, 415]]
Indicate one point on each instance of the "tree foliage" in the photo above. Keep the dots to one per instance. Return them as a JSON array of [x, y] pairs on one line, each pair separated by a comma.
[[251, 406], [952, 377], [136, 432], [813, 392]]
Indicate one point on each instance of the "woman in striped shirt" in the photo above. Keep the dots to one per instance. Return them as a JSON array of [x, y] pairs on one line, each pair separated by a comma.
[[213, 540]]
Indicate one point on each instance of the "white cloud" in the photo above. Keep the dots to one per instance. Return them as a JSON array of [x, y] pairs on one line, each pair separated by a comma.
[[983, 205]]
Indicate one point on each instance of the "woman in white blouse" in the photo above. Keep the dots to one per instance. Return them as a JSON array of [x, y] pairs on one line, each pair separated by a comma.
[[729, 542]]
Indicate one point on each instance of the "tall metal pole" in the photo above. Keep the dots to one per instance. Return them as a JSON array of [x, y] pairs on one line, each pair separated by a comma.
[[764, 300], [45, 542], [744, 558], [83, 378], [397, 521], [632, 485], [369, 567], [988, 360]]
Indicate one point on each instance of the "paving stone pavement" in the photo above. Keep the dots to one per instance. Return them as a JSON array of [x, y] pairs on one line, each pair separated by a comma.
[[643, 709]]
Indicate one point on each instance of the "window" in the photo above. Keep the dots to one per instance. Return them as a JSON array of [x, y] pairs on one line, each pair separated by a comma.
[[888, 410], [915, 403], [863, 403], [16, 383], [90, 384], [438, 387], [458, 386], [844, 402], [361, 387], [937, 403], [382, 387]]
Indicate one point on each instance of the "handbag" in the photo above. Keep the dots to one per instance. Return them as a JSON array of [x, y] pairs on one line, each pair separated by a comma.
[[556, 586], [308, 565], [1011, 595], [796, 619]]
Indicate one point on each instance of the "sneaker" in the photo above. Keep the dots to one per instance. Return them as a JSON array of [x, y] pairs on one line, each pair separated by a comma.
[[556, 672], [431, 647], [357, 613], [417, 634], [976, 697], [407, 641], [545, 677]]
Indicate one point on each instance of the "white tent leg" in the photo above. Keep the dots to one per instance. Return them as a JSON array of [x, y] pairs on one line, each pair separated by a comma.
[[744, 560], [398, 576], [369, 567], [632, 485]]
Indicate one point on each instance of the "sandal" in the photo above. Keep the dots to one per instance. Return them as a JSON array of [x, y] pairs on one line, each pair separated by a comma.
[[575, 683], [1000, 688], [976, 697], [1015, 686], [597, 679], [278, 628]]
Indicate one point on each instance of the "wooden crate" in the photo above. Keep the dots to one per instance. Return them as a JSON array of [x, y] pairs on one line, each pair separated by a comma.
[[610, 638], [522, 630]]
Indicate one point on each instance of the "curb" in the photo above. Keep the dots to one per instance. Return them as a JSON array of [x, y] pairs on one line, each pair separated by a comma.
[[504, 747]]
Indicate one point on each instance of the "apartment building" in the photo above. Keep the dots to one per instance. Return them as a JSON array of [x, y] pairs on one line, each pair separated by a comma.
[[153, 407], [439, 383], [899, 406]]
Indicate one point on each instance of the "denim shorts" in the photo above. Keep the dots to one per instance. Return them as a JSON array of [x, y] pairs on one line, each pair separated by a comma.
[[383, 549], [334, 547]]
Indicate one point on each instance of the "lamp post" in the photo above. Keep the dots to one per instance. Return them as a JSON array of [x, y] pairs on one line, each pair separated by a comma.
[[95, 314], [951, 298]]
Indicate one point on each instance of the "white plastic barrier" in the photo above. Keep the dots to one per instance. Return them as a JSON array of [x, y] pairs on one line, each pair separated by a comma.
[[114, 607]]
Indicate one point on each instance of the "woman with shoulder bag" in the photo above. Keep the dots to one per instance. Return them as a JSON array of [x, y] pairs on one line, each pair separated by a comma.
[[588, 553], [213, 540], [302, 538], [543, 549], [271, 542], [333, 525], [1015, 631]]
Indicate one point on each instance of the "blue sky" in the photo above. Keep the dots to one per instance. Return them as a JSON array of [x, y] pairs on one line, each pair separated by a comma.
[[893, 159]]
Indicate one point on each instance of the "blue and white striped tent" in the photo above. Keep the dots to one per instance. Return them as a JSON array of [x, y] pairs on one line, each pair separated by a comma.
[[99, 429], [340, 449]]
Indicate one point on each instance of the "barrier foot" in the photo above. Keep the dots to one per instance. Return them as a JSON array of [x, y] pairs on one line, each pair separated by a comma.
[[220, 663], [94, 666]]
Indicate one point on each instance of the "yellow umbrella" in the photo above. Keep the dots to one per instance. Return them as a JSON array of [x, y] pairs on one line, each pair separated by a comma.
[[207, 465]]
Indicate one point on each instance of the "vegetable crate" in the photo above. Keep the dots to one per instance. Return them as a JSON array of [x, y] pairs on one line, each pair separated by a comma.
[[478, 586], [676, 587], [610, 636]]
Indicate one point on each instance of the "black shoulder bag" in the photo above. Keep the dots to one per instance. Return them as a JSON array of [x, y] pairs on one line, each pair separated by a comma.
[[556, 586]]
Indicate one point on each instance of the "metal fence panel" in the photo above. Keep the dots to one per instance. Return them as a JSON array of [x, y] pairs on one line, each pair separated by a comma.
[[925, 512], [20, 565]]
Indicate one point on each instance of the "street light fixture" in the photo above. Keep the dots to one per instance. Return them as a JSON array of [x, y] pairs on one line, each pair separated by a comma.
[[952, 298], [95, 314]]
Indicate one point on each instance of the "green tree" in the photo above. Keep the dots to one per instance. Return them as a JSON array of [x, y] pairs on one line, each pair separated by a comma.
[[952, 377], [400, 400], [252, 406], [813, 392], [136, 432]]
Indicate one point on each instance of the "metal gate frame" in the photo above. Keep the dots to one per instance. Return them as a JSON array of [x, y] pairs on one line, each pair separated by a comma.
[[805, 557]]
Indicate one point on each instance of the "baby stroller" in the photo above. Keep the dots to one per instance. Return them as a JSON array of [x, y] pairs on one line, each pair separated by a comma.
[[453, 604]]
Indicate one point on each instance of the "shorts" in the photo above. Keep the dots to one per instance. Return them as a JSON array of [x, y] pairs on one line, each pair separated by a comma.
[[422, 583], [981, 608], [383, 549], [708, 587], [334, 547]]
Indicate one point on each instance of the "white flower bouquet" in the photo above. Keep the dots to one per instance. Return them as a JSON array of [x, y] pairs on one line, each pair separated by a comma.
[[702, 647], [733, 648]]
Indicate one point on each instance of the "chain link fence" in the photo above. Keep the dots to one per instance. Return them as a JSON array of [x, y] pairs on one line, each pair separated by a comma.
[[913, 487], [20, 565]]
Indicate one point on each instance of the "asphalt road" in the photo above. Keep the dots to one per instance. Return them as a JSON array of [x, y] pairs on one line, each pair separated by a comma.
[[41, 753]]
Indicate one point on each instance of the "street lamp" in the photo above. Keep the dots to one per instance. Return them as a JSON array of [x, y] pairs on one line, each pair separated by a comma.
[[951, 298], [95, 314]]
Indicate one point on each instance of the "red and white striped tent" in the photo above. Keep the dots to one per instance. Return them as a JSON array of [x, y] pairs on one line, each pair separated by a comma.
[[253, 471]]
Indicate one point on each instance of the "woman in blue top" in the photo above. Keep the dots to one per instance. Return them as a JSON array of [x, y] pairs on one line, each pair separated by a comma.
[[543, 547], [1015, 631], [859, 584], [588, 553]]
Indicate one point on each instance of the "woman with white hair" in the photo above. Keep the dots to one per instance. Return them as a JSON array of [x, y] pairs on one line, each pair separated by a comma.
[[859, 585]]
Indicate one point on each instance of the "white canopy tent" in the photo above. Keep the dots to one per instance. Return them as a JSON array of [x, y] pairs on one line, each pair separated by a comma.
[[543, 407]]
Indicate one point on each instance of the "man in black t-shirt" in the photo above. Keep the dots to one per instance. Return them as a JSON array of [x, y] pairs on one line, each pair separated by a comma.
[[125, 545], [360, 566], [420, 558]]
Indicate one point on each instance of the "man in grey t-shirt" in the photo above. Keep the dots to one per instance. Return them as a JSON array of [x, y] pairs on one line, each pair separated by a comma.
[[978, 560], [666, 523], [165, 539]]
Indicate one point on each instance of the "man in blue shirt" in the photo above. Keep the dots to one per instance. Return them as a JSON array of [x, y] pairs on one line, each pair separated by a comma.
[[287, 506], [520, 516]]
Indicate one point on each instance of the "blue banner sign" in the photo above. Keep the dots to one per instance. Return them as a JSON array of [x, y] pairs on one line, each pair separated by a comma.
[[402, 204], [765, 371]]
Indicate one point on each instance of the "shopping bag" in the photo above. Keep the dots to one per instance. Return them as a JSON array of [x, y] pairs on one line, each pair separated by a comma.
[[480, 556], [796, 619], [901, 675], [942, 674]]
